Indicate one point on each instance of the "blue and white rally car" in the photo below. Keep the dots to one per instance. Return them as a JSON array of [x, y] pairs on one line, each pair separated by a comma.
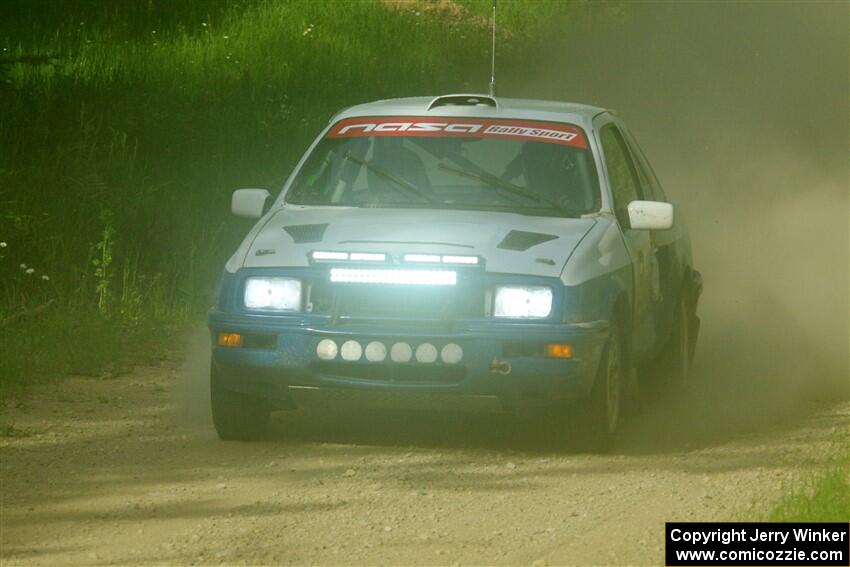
[[464, 249]]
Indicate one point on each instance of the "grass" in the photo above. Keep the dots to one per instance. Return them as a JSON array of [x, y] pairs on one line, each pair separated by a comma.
[[125, 127], [822, 498]]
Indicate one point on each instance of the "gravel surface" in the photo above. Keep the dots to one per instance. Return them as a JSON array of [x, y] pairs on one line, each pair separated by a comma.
[[127, 470]]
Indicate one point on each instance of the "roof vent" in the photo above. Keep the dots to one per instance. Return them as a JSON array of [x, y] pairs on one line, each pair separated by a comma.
[[463, 100]]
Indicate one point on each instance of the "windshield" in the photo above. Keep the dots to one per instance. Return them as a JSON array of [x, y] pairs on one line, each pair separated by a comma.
[[527, 167]]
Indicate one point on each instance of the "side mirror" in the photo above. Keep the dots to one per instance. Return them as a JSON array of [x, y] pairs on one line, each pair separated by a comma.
[[249, 203], [650, 215]]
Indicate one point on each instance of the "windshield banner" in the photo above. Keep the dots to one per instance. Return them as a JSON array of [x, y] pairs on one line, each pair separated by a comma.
[[530, 130]]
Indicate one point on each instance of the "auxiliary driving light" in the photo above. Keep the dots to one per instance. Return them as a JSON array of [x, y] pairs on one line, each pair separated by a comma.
[[471, 260], [426, 353], [351, 351], [367, 257], [451, 353], [437, 259], [326, 349], [427, 258], [376, 352], [322, 255], [559, 350], [232, 340], [401, 352]]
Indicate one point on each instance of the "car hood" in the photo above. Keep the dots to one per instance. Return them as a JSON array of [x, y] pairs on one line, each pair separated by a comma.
[[508, 242]]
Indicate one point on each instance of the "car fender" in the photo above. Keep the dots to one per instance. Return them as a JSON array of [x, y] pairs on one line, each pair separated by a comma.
[[598, 275]]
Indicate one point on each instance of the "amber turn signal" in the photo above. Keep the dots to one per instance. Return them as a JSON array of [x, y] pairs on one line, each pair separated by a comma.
[[559, 350], [232, 340]]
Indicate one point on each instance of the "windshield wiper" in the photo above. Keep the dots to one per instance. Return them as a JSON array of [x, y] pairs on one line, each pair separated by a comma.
[[404, 184], [493, 181]]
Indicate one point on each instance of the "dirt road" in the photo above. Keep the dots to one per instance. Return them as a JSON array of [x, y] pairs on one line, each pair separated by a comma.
[[127, 470]]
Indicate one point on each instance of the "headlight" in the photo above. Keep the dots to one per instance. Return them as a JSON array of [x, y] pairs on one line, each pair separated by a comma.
[[532, 302], [273, 294]]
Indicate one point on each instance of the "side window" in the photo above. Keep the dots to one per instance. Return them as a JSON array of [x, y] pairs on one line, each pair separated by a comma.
[[621, 170], [648, 179], [643, 176]]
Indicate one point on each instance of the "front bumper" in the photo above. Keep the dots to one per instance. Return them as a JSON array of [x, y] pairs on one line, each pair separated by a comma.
[[501, 361]]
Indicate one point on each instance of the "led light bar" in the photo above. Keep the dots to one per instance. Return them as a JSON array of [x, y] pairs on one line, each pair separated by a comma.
[[400, 277], [320, 255], [367, 257], [427, 258], [472, 260]]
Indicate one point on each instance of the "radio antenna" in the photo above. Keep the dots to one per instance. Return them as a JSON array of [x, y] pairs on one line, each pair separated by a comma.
[[493, 54]]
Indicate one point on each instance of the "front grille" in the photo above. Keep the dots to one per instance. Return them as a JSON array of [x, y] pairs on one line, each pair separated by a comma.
[[410, 373], [259, 341]]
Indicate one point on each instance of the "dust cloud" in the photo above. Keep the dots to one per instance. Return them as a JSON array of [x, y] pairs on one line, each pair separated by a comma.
[[743, 110], [192, 392]]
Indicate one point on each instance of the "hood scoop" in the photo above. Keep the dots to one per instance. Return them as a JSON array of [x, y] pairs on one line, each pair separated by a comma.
[[521, 241], [304, 233]]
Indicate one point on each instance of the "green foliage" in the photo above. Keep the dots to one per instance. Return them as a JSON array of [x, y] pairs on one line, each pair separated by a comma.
[[102, 262], [824, 498], [125, 127], [522, 17], [71, 339]]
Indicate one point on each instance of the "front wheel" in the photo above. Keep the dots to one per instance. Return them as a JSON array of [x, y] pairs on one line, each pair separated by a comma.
[[236, 416], [599, 420]]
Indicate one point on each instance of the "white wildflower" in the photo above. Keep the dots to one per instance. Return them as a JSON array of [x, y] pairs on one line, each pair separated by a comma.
[[204, 24], [226, 36], [23, 266], [3, 245], [45, 277], [30, 270]]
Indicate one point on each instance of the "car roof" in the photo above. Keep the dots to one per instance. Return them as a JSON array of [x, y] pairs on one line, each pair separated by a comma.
[[476, 106]]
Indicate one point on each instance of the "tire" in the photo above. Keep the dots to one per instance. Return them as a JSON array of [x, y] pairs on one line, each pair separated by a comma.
[[599, 420], [678, 363], [236, 416], [671, 371]]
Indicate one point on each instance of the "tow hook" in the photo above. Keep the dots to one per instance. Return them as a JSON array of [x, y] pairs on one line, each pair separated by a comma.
[[500, 367]]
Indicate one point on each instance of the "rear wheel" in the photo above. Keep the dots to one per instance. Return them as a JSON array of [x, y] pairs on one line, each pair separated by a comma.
[[236, 416], [671, 371], [679, 356]]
